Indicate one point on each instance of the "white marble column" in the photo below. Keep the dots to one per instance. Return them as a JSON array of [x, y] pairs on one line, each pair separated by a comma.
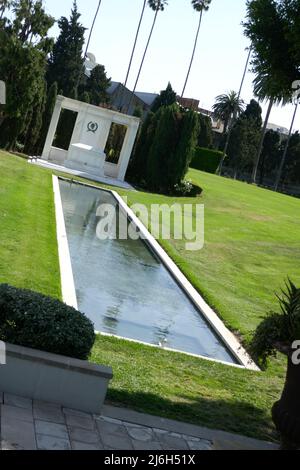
[[127, 150], [52, 128]]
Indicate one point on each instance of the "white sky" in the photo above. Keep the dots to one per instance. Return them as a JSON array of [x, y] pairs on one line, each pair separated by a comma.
[[220, 57]]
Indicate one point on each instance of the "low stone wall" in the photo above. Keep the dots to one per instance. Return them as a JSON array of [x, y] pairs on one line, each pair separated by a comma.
[[48, 377]]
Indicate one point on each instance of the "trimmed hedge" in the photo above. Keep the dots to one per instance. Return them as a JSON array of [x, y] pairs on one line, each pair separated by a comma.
[[206, 160], [35, 321]]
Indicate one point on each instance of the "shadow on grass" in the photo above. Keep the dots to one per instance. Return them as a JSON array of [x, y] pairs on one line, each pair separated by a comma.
[[236, 417]]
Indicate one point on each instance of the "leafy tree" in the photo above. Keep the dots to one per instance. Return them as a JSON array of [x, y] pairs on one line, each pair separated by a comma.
[[35, 124], [226, 106], [270, 26], [23, 52], [97, 85], [4, 5], [205, 136], [244, 139], [200, 6], [138, 112], [166, 97], [31, 21], [66, 61], [291, 170], [270, 154]]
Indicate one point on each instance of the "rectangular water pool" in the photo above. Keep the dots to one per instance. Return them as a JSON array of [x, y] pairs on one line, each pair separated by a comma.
[[124, 288]]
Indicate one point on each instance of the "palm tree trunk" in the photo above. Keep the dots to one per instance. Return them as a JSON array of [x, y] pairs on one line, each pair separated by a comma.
[[234, 113], [264, 130], [89, 40], [92, 29], [193, 54], [132, 54], [282, 163], [144, 56]]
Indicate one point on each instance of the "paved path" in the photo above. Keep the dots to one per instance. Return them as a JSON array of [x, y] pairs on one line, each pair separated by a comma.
[[31, 425], [99, 179]]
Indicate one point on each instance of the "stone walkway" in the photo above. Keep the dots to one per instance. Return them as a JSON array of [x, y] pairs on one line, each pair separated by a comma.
[[104, 179], [34, 425]]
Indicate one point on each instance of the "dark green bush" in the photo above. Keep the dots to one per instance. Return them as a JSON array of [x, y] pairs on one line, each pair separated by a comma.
[[206, 160], [280, 329], [33, 320]]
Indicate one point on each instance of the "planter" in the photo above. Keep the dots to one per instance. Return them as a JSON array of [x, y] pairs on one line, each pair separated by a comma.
[[57, 379], [286, 412]]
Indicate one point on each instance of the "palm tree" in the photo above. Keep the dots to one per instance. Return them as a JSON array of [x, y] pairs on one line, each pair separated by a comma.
[[200, 6], [156, 6], [135, 41], [226, 106], [92, 29], [132, 53], [89, 39]]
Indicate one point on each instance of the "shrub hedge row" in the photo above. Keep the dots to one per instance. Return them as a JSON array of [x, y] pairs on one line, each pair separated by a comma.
[[206, 160], [35, 321]]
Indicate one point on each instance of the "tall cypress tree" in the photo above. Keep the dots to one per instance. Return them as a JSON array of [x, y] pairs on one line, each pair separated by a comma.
[[66, 63], [49, 107], [97, 85], [36, 122]]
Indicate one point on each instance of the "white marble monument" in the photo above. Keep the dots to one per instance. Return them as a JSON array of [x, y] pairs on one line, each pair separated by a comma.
[[87, 146]]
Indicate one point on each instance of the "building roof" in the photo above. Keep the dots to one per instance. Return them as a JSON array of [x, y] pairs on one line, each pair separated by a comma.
[[275, 127], [147, 98], [113, 87]]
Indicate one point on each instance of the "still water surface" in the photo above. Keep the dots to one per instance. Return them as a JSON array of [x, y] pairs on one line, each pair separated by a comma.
[[124, 289]]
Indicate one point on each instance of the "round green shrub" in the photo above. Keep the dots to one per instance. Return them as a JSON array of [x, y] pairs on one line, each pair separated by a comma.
[[35, 321]]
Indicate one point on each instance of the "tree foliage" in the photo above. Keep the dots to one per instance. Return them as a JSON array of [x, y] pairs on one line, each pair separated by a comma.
[[165, 148], [96, 86], [66, 62], [166, 97], [226, 106], [272, 27], [24, 46], [245, 137]]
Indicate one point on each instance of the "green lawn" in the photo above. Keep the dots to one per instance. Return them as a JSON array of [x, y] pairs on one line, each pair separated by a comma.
[[251, 246], [28, 249]]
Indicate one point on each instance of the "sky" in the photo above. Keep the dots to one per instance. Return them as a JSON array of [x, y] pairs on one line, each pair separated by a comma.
[[220, 57]]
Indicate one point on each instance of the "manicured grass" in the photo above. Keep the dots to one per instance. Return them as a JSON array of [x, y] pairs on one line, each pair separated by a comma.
[[28, 250], [251, 245], [188, 389]]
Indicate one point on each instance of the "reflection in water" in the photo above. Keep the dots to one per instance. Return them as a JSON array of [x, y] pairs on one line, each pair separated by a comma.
[[124, 289]]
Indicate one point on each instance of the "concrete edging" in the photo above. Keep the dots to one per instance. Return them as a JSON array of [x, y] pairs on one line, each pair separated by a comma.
[[165, 424], [229, 339], [66, 272], [49, 377]]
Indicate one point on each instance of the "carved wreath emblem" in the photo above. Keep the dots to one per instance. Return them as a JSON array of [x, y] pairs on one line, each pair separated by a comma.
[[92, 127]]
